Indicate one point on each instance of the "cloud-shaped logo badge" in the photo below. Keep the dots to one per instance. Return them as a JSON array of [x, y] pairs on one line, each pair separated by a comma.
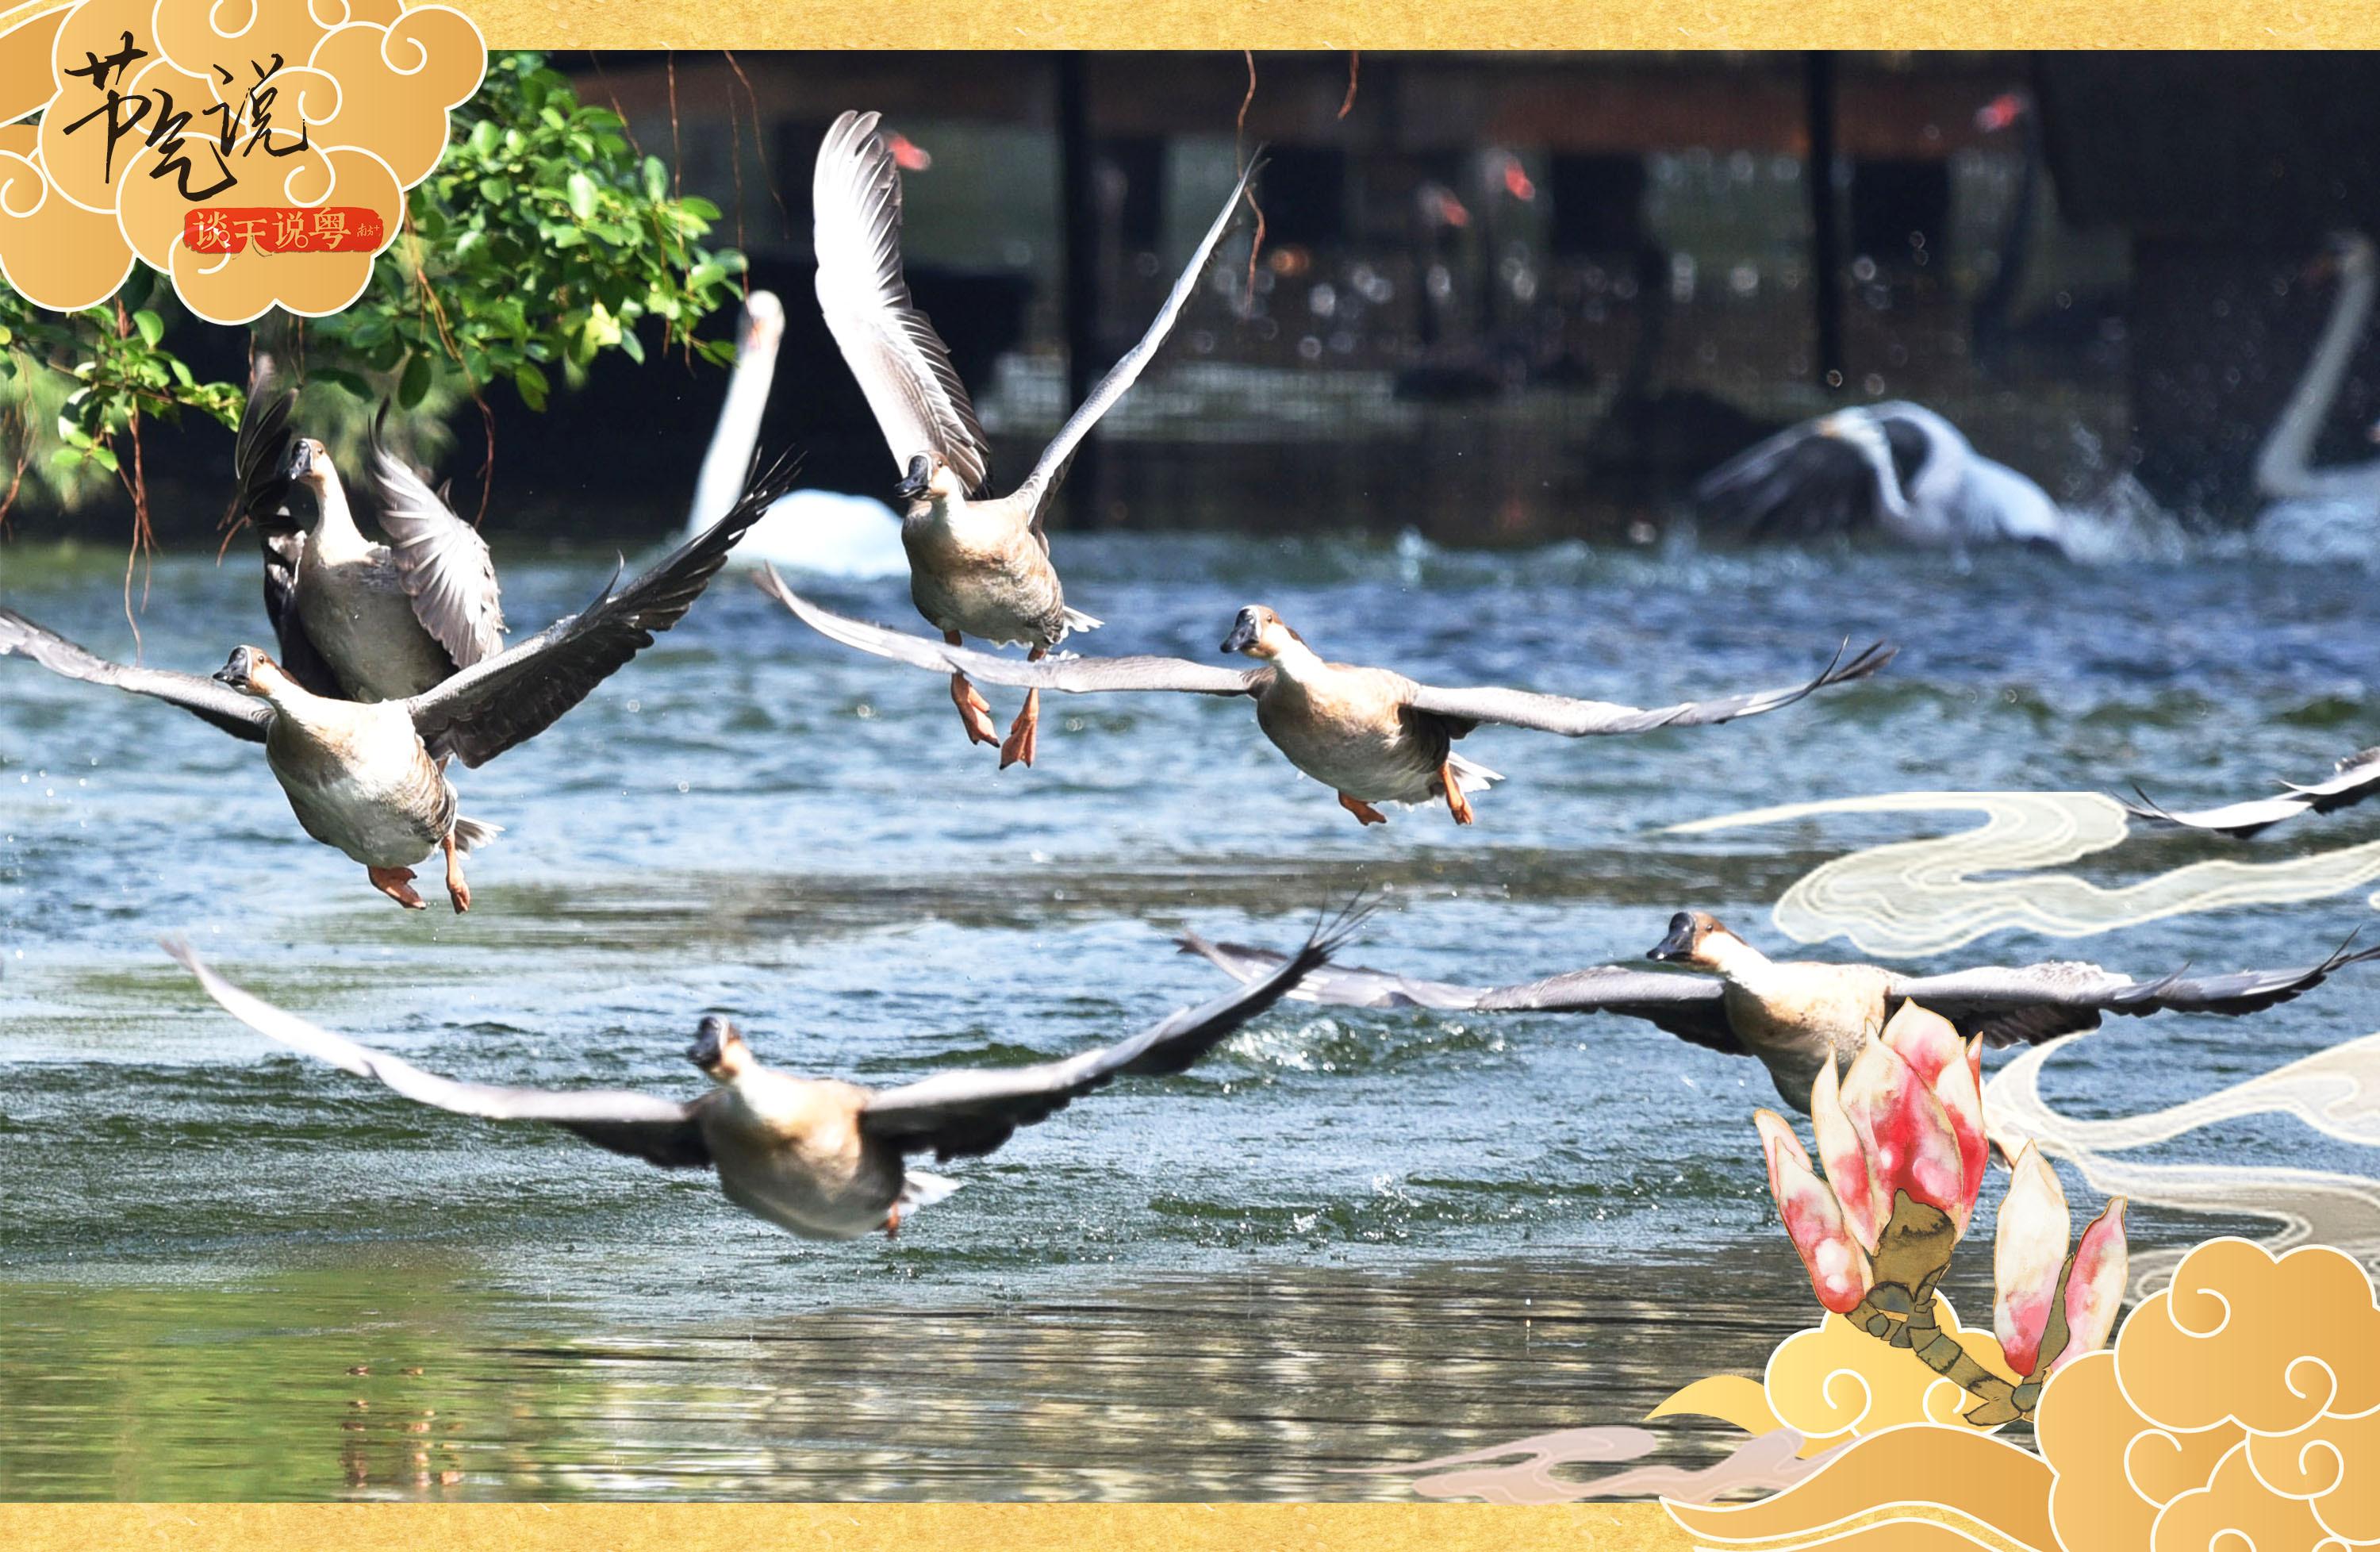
[[255, 153]]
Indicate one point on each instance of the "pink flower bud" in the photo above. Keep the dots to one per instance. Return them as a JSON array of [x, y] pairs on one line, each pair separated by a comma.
[[1910, 1144], [2027, 1253], [1839, 1268], [1845, 1155], [1953, 1069], [2094, 1289]]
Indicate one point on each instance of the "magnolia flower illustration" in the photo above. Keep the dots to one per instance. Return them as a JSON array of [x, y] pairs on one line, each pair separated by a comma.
[[1901, 1140]]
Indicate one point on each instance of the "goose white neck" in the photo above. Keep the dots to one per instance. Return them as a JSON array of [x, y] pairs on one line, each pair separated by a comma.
[[729, 459], [1297, 662], [1731, 956], [336, 538], [2283, 465]]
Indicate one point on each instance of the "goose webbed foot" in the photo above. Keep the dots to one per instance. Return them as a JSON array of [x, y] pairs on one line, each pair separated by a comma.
[[458, 890], [974, 712], [1456, 803], [397, 884], [1365, 813], [1024, 733], [893, 1222]]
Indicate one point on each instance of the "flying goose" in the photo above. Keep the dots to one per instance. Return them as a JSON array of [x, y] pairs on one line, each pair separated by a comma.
[[1896, 467], [820, 1157], [2350, 781], [1370, 734], [368, 777], [827, 531], [358, 619], [978, 565], [1795, 1015]]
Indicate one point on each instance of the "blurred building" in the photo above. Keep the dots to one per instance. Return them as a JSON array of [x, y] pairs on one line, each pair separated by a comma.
[[1524, 295]]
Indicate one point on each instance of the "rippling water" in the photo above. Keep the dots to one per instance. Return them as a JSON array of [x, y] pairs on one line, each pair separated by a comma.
[[1347, 1240]]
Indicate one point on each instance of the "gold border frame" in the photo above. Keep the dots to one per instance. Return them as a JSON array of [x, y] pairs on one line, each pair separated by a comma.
[[1050, 1527], [1428, 24], [1143, 25]]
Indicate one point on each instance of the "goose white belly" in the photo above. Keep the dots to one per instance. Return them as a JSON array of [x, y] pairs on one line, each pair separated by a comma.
[[984, 576], [1353, 746], [1799, 1014], [791, 1152], [380, 799], [359, 617]]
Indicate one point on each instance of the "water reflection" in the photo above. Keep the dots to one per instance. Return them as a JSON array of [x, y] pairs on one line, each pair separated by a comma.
[[379, 1374]]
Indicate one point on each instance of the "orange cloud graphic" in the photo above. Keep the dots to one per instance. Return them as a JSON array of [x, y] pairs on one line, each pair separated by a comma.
[[325, 110], [2242, 1337], [2240, 1408]]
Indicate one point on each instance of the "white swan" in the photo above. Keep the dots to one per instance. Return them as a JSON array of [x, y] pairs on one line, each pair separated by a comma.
[[827, 532], [1896, 467], [2333, 512]]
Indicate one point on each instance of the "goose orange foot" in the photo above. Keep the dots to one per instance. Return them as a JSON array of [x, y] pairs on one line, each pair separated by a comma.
[[1456, 803], [458, 890], [1023, 734], [893, 1222], [974, 712], [397, 884], [1365, 813]]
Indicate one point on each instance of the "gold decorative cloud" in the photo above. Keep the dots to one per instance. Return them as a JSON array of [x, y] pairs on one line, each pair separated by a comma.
[[1834, 1380], [2244, 1338], [2239, 1409], [325, 110]]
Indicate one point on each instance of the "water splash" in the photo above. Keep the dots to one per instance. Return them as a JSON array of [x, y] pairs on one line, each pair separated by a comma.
[[1913, 898]]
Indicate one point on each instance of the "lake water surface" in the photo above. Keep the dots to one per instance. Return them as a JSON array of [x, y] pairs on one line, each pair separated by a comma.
[[1347, 1240]]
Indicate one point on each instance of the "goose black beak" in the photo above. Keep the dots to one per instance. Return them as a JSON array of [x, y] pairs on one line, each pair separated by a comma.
[[1243, 633], [710, 1037], [234, 670], [302, 459], [913, 484], [1678, 944]]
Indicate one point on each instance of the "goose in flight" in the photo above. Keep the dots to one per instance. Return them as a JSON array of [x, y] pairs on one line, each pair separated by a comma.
[[1895, 468], [978, 565], [820, 1157], [1372, 736], [369, 777], [829, 532], [1794, 1015], [2349, 783], [358, 619]]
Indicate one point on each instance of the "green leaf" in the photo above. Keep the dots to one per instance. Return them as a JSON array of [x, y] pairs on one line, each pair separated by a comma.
[[531, 385], [582, 196], [151, 327], [414, 386], [656, 179]]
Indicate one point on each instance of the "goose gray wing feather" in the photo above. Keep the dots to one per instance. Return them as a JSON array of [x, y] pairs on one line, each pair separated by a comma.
[[2351, 780], [1580, 719], [489, 707], [1690, 1007], [205, 698], [665, 1131], [1066, 672], [442, 561], [1041, 485], [902, 365], [964, 1114], [2008, 1005]]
